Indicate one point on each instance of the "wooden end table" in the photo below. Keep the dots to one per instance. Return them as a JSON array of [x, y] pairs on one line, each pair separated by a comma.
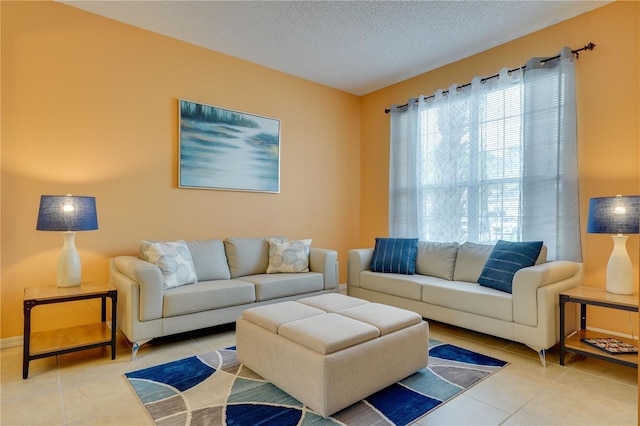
[[595, 296], [56, 342]]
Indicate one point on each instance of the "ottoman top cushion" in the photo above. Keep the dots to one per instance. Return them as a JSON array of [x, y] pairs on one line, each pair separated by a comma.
[[273, 316], [328, 333], [384, 317], [332, 302]]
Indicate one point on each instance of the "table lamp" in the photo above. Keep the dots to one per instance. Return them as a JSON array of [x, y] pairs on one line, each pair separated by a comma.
[[68, 214], [617, 216]]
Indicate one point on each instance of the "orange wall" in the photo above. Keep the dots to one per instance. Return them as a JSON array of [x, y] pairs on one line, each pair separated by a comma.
[[608, 124], [89, 107]]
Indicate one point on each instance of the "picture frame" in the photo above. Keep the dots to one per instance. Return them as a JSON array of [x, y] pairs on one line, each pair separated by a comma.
[[224, 149]]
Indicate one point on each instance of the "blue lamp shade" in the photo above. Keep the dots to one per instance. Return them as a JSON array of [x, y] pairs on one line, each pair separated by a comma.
[[67, 213], [614, 215]]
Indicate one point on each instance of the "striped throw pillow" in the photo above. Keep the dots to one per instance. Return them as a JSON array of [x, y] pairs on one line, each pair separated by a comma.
[[397, 255], [505, 260]]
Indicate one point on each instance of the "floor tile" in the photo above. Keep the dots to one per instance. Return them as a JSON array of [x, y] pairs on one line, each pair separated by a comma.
[[39, 409], [604, 369], [46, 384], [97, 398], [132, 415], [589, 390], [555, 408], [463, 410], [505, 392]]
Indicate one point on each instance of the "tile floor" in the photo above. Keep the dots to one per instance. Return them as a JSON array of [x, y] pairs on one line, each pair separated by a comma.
[[88, 388]]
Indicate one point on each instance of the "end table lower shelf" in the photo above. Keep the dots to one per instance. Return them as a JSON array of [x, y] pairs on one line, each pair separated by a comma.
[[65, 340], [575, 345]]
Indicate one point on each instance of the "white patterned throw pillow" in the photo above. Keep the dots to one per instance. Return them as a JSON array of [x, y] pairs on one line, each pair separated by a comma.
[[173, 259], [288, 256]]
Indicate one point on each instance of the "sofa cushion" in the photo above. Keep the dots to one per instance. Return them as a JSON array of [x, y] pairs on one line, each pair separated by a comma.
[[470, 260], [395, 255], [209, 260], [469, 297], [505, 260], [401, 285], [173, 259], [436, 259], [273, 286], [206, 295], [288, 256], [247, 256]]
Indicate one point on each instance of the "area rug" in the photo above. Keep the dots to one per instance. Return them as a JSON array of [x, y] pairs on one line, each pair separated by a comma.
[[214, 389]]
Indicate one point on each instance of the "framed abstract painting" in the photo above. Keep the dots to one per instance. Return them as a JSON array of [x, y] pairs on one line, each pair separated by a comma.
[[230, 150]]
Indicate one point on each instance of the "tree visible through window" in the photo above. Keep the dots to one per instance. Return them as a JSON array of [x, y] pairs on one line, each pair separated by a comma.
[[494, 159], [472, 170]]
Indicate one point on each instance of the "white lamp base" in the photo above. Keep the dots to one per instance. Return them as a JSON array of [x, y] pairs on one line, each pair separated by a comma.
[[69, 269], [619, 268]]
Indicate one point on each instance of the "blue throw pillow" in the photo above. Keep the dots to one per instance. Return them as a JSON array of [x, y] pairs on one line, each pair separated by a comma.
[[505, 260], [397, 255]]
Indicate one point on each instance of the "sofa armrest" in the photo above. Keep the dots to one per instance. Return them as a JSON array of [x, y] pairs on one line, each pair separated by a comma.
[[359, 260], [325, 261], [561, 275], [148, 280]]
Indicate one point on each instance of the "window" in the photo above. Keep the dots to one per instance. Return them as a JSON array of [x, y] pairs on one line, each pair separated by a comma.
[[472, 169], [494, 159]]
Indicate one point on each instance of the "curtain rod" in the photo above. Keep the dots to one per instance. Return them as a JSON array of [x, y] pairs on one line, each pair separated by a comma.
[[575, 52]]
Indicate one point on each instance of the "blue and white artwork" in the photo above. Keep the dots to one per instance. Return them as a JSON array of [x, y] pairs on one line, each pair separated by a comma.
[[225, 149]]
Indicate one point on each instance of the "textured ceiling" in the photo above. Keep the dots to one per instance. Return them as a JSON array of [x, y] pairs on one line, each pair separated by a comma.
[[355, 46]]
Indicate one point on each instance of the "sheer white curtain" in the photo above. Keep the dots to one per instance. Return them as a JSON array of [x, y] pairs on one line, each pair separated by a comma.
[[550, 172], [495, 159], [405, 197]]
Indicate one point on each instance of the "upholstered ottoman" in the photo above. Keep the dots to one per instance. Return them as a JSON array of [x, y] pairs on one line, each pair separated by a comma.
[[331, 351]]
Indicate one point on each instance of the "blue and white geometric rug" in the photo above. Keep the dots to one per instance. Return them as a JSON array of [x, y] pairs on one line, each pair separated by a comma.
[[214, 389]]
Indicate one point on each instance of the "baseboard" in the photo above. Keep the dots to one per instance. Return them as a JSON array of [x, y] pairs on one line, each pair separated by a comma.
[[342, 288], [11, 342], [612, 333]]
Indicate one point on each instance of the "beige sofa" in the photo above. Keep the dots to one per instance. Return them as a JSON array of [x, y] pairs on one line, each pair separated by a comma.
[[445, 288], [231, 277]]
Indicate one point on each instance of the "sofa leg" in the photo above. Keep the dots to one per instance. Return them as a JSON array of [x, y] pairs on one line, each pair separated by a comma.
[[543, 357], [135, 346], [542, 354]]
